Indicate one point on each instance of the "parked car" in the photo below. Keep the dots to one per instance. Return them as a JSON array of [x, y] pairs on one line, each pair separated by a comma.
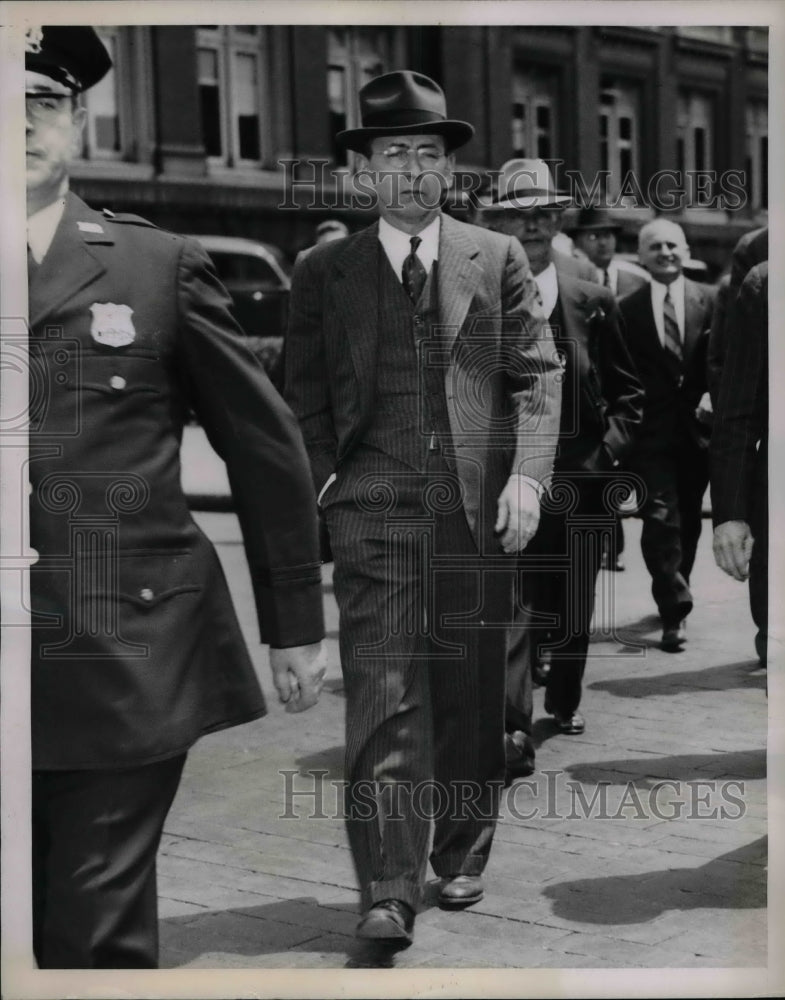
[[258, 277]]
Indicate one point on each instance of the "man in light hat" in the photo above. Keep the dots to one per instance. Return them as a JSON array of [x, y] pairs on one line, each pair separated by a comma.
[[419, 365], [601, 408], [136, 650]]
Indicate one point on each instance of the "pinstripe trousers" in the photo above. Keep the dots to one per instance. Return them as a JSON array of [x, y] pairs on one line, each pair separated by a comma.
[[423, 639]]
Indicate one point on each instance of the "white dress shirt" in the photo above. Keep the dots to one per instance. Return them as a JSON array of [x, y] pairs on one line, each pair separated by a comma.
[[41, 227], [548, 284], [397, 245], [658, 292]]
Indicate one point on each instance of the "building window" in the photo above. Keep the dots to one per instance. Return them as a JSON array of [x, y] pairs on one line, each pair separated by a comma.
[[619, 130], [231, 93], [102, 139], [354, 56], [756, 117], [534, 115], [695, 142]]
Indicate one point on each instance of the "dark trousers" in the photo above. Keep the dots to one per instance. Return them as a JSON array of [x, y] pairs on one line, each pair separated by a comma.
[[556, 589], [95, 838], [423, 632], [675, 482]]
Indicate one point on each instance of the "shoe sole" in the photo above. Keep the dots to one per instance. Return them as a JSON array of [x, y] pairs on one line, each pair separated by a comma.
[[447, 903]]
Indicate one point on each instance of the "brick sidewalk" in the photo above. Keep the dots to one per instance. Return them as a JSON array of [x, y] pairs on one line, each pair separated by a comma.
[[664, 868]]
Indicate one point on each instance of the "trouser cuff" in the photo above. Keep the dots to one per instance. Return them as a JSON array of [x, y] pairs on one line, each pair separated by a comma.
[[452, 864]]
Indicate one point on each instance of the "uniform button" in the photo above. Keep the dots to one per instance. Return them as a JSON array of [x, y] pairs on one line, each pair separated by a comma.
[[146, 594], [615, 462], [117, 382]]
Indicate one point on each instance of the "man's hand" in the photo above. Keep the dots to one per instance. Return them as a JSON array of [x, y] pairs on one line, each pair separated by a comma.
[[732, 548], [704, 410], [298, 674], [518, 513]]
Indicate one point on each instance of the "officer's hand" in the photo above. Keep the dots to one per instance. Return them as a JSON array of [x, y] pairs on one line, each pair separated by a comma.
[[518, 513], [298, 674], [732, 548]]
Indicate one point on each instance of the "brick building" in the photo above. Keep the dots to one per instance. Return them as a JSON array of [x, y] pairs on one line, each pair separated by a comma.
[[190, 127]]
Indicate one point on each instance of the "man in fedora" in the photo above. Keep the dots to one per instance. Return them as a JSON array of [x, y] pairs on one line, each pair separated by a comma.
[[136, 649], [420, 367], [601, 407], [594, 233]]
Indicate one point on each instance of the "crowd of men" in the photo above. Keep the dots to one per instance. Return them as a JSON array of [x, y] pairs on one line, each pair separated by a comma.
[[458, 400]]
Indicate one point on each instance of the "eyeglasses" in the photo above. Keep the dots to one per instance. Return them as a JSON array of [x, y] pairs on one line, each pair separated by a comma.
[[45, 107], [428, 157], [602, 234]]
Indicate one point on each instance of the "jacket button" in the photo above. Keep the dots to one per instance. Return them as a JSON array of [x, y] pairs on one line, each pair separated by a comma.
[[117, 382], [146, 594]]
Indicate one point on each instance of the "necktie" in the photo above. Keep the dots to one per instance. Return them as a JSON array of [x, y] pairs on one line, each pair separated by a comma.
[[606, 278], [671, 327], [414, 274]]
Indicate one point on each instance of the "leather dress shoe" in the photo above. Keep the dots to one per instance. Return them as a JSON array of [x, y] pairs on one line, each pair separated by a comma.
[[674, 635], [570, 723], [518, 756], [460, 891], [389, 920]]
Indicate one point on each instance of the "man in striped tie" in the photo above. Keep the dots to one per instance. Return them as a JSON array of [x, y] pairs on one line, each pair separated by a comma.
[[668, 324], [425, 380]]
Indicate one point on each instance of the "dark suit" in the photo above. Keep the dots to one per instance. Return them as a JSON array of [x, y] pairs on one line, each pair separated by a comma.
[[752, 248], [739, 445], [423, 410], [670, 454], [602, 403], [136, 650]]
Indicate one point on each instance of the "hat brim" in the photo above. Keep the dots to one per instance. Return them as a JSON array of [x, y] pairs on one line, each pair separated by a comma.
[[610, 227], [456, 134], [528, 199]]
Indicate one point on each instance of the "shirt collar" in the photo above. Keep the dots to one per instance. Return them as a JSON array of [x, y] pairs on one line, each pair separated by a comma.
[[659, 290], [41, 228], [397, 244]]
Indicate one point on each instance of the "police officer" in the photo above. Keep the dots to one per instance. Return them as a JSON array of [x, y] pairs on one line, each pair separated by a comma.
[[136, 647]]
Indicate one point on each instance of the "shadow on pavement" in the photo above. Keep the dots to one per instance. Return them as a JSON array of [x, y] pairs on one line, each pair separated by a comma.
[[645, 772], [330, 759], [631, 899], [743, 674], [292, 926]]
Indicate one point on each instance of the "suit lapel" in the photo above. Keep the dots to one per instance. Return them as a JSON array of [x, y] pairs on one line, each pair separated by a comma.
[[357, 298], [693, 316], [459, 276], [69, 265]]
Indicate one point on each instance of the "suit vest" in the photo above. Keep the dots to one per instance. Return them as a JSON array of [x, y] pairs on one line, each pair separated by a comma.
[[410, 411]]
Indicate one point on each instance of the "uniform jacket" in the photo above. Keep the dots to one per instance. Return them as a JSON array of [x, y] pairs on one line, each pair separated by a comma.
[[669, 410], [136, 647], [739, 445], [331, 370], [605, 402]]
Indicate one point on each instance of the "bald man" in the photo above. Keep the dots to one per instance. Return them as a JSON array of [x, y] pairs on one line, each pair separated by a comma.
[[668, 325]]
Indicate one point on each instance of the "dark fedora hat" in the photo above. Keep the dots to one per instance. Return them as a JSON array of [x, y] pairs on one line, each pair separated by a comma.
[[593, 219], [64, 59], [404, 103]]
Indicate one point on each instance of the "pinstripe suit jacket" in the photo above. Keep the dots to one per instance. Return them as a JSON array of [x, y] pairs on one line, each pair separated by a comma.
[[502, 393]]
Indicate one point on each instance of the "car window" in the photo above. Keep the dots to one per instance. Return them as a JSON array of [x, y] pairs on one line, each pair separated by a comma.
[[235, 268]]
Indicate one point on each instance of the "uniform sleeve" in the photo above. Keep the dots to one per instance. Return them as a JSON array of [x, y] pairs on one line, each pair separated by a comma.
[[536, 381], [256, 434], [307, 389]]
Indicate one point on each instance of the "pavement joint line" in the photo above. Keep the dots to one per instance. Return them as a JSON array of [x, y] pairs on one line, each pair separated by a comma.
[[255, 871]]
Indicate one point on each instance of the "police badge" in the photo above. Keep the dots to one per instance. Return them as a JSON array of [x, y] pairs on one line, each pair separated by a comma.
[[112, 324]]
